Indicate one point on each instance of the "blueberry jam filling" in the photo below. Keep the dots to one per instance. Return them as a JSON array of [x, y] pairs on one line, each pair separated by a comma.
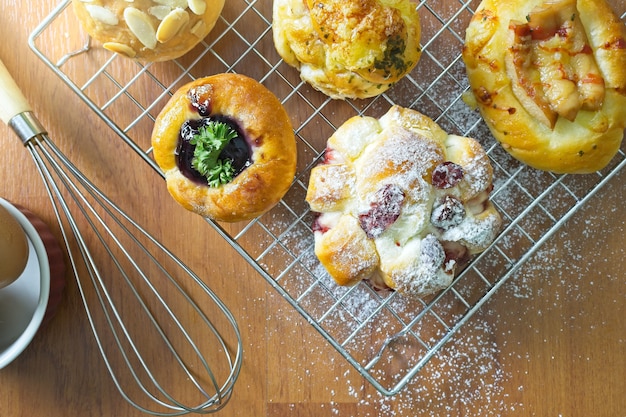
[[237, 150]]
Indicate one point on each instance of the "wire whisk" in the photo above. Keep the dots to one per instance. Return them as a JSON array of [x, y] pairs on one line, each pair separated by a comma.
[[155, 322]]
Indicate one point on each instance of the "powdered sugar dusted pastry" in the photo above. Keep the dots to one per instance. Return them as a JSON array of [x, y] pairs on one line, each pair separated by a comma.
[[148, 30], [401, 202], [549, 78], [348, 48], [226, 146]]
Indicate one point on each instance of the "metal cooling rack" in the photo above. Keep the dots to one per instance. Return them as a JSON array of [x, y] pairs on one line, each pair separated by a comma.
[[387, 338]]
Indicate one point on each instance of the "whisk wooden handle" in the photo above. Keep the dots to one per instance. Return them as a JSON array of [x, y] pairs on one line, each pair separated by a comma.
[[12, 100]]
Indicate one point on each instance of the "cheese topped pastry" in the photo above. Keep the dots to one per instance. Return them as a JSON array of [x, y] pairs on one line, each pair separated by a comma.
[[348, 48]]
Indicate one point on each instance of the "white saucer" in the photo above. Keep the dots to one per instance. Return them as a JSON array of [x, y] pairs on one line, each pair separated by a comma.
[[23, 303]]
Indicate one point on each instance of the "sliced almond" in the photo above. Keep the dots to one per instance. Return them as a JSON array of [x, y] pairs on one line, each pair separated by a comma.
[[159, 11], [173, 3], [140, 25], [171, 25], [120, 48], [197, 6], [102, 14], [199, 29]]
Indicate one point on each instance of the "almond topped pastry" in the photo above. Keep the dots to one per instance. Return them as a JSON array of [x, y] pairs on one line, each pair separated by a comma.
[[148, 30], [549, 78]]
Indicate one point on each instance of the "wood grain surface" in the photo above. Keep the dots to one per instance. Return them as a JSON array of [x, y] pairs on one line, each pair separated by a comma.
[[550, 343]]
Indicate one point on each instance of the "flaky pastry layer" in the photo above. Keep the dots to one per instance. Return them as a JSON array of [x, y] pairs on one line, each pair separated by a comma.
[[400, 202]]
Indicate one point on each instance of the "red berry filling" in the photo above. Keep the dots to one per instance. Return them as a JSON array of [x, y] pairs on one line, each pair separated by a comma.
[[447, 213], [447, 175], [383, 212]]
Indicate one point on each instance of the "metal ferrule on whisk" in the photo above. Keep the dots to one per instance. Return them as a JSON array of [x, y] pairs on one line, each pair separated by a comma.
[[26, 126]]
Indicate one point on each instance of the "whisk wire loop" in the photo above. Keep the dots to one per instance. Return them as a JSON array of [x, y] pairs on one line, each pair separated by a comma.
[[62, 178]]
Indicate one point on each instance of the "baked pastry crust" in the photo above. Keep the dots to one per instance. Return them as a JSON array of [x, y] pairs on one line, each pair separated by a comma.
[[348, 48], [400, 202], [148, 30], [549, 78], [267, 130]]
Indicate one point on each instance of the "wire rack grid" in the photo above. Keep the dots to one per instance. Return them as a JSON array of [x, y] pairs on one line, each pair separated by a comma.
[[386, 337]]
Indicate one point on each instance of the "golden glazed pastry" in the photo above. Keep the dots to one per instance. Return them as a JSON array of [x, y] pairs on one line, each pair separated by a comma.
[[148, 30], [348, 48], [400, 202], [549, 78], [226, 146]]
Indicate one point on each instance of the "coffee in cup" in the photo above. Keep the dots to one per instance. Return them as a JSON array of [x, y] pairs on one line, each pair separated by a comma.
[[13, 248]]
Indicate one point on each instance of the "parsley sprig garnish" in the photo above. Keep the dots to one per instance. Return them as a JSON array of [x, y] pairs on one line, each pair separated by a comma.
[[209, 143]]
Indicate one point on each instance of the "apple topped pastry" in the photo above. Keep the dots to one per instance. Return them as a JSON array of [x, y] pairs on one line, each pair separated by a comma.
[[549, 78]]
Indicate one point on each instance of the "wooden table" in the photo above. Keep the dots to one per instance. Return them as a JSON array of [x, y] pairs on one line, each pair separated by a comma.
[[551, 342]]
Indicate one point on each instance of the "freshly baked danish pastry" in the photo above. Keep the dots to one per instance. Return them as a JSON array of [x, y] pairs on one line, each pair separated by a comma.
[[348, 48], [400, 202], [549, 78], [226, 146], [148, 30]]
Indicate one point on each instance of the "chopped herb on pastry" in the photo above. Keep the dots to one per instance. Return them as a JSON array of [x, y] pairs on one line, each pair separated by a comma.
[[348, 48], [226, 146]]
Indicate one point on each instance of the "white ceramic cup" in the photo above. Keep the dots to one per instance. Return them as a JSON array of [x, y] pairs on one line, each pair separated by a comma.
[[23, 303]]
